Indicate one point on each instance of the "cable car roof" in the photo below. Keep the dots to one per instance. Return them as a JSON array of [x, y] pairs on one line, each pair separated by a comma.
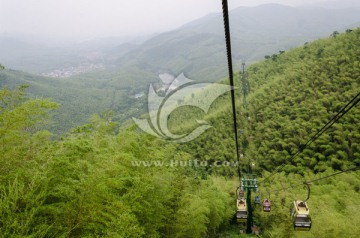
[[301, 208], [241, 204]]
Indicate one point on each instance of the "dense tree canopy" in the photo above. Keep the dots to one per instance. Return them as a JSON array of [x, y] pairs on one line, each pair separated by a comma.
[[100, 180]]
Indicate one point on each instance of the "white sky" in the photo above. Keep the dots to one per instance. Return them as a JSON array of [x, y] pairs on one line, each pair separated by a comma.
[[80, 19]]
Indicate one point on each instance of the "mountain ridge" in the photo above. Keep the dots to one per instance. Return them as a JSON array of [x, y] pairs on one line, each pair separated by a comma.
[[256, 31]]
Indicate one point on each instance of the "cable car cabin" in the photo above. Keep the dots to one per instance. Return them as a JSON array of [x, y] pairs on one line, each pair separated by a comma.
[[241, 213], [300, 216], [266, 205], [257, 199]]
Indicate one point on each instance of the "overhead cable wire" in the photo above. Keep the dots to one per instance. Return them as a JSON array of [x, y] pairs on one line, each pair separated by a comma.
[[333, 120], [231, 75], [318, 179], [340, 114]]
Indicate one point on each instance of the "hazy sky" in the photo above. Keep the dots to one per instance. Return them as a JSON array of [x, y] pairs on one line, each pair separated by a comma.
[[81, 19]]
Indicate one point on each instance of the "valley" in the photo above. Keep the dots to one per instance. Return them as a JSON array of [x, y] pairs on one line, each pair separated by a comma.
[[95, 69]]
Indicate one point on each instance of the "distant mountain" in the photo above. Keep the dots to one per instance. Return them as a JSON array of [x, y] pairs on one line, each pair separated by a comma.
[[338, 4], [41, 56], [34, 57], [198, 48]]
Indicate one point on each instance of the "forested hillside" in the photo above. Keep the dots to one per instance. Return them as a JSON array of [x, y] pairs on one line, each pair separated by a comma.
[[86, 184], [97, 182], [80, 96], [293, 94]]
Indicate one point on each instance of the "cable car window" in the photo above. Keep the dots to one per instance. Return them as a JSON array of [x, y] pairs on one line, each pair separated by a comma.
[[302, 219]]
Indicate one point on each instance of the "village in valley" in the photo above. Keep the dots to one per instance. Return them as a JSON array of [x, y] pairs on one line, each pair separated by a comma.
[[73, 70]]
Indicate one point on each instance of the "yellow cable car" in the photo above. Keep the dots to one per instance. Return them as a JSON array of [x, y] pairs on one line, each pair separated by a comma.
[[300, 215], [241, 213]]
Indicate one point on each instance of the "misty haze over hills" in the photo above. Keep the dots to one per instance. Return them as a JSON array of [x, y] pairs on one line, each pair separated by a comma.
[[256, 31], [338, 4], [198, 47]]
